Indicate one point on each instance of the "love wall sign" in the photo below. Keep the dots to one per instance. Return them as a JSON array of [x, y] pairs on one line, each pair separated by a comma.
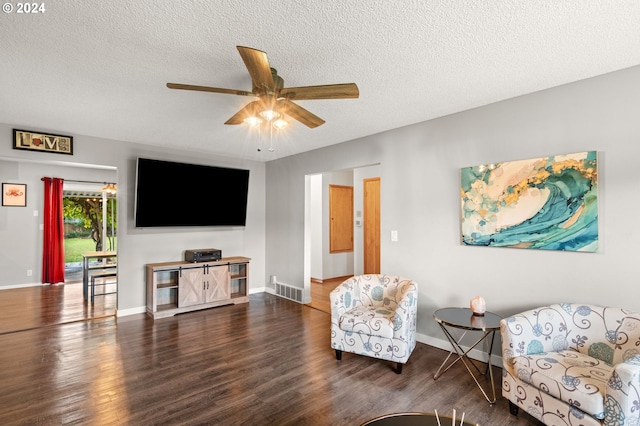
[[33, 141]]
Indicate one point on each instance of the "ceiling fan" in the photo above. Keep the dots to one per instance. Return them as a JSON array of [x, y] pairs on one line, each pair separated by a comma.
[[274, 100]]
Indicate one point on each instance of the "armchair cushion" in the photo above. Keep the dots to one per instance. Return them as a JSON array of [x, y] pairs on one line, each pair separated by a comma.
[[566, 371], [369, 320]]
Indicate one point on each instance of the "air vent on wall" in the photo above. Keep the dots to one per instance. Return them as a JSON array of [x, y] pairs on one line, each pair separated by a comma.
[[289, 292]]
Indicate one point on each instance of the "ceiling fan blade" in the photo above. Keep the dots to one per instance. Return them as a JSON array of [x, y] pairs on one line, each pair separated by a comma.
[[209, 89], [327, 91], [258, 66], [246, 111], [302, 115]]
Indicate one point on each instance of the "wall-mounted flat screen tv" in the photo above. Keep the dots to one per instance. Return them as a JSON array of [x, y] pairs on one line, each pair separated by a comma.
[[180, 194]]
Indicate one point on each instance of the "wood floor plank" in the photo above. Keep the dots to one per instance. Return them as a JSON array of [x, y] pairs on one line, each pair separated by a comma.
[[40, 306], [320, 293], [268, 362]]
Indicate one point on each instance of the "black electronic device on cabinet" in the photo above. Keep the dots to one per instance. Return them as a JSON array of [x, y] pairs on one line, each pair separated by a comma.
[[203, 255]]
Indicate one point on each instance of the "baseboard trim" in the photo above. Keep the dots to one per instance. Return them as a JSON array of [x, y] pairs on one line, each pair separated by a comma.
[[477, 354], [130, 311], [12, 286]]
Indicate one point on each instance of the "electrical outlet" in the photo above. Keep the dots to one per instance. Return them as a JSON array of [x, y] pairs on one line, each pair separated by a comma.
[[29, 272]]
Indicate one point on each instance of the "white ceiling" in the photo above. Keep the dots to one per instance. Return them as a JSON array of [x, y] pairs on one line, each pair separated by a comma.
[[99, 68]]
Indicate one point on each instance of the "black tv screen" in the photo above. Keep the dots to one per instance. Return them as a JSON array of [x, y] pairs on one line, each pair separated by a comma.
[[181, 194]]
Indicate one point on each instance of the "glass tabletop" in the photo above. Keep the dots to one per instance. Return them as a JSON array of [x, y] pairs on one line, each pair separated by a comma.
[[415, 419], [464, 318]]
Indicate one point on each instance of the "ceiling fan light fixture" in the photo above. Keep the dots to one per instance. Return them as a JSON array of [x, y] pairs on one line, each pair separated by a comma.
[[273, 99], [253, 121], [269, 114], [280, 124]]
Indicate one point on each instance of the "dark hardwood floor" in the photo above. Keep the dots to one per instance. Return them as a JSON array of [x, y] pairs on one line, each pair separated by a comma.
[[39, 306], [267, 362]]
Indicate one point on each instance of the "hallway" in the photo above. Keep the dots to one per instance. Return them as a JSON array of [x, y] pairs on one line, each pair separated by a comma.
[[320, 293]]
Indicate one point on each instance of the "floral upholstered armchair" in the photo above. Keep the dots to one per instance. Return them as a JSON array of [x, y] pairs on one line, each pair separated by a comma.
[[571, 364], [375, 315]]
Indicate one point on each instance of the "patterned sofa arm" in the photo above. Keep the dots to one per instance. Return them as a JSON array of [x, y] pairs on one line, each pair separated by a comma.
[[623, 393], [406, 310], [532, 332]]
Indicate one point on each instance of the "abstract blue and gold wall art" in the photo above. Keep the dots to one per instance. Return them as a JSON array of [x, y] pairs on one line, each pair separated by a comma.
[[548, 203]]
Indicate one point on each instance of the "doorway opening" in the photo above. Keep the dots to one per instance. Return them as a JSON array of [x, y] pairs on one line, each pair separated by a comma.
[[90, 246], [89, 224], [322, 267]]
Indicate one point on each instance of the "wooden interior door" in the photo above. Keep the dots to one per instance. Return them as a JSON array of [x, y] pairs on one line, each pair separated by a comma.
[[371, 225], [341, 218]]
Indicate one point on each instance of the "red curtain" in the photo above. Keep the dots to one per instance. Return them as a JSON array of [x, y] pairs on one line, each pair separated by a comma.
[[53, 252]]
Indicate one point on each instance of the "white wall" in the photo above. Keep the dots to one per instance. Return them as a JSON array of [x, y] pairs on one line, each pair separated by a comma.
[[315, 226], [136, 247], [420, 197]]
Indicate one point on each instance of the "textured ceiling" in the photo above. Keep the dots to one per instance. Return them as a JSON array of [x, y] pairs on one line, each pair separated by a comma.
[[99, 68]]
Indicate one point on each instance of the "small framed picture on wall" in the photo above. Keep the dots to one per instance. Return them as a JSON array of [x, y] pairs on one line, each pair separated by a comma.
[[14, 194]]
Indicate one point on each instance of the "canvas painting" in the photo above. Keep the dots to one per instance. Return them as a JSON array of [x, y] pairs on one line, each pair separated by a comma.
[[548, 203]]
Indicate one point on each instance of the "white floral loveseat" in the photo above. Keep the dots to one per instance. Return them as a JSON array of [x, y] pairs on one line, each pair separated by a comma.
[[572, 364], [375, 315]]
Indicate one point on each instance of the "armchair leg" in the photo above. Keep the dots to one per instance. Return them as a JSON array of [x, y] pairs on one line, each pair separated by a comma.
[[513, 408], [338, 354], [399, 368]]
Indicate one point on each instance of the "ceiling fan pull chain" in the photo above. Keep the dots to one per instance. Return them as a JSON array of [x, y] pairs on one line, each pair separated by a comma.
[[271, 149], [260, 137]]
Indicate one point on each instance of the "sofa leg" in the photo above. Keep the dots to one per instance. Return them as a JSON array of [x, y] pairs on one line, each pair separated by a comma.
[[338, 354], [399, 368], [513, 408]]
